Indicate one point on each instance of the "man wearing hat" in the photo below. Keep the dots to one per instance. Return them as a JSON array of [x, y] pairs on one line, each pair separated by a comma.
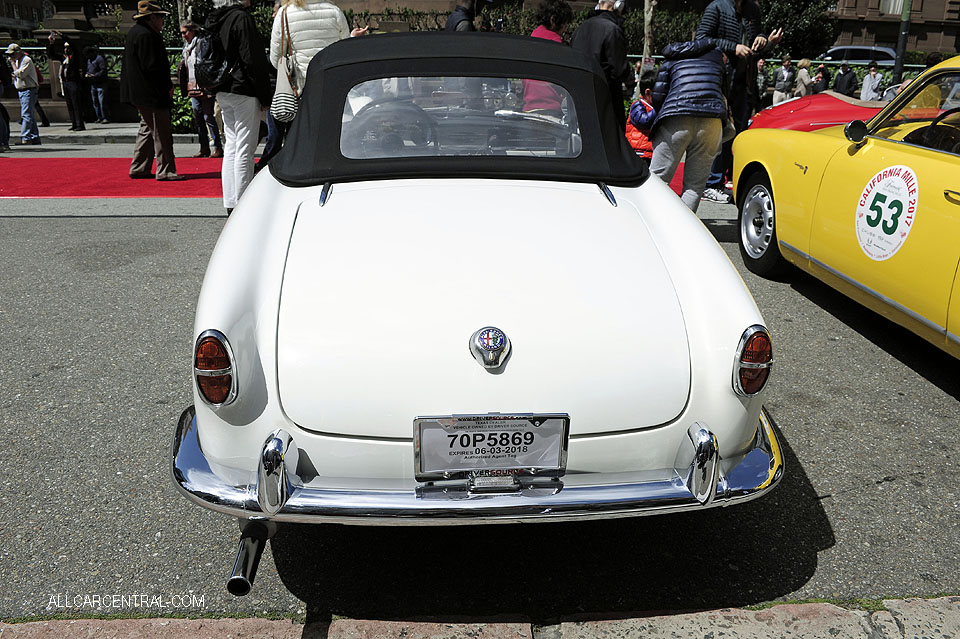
[[145, 83], [27, 84], [846, 81]]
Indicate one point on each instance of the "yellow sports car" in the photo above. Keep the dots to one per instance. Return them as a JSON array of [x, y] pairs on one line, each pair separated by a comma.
[[872, 209]]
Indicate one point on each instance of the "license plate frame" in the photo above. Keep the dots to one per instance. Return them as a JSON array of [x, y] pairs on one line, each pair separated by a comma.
[[438, 457]]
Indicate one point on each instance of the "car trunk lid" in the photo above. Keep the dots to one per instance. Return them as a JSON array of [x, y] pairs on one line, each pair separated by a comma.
[[385, 284]]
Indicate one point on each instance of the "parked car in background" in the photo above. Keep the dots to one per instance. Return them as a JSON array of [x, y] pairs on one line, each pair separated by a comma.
[[861, 54], [436, 308], [816, 111], [872, 209]]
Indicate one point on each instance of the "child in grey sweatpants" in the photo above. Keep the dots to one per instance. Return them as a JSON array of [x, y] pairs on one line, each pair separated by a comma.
[[690, 103]]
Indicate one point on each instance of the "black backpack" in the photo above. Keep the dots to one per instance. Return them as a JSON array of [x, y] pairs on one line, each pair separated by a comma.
[[210, 66]]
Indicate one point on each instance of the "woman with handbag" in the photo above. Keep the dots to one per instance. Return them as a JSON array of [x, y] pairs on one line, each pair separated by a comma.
[[301, 28], [200, 102]]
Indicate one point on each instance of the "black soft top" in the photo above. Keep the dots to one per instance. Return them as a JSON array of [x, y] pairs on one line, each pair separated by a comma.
[[311, 154]]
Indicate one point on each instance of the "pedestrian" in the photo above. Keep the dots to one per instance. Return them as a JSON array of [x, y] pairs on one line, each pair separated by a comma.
[[145, 83], [96, 76], [311, 25], [553, 18], [871, 83], [243, 96], [41, 114], [846, 81], [691, 106], [783, 80], [314, 25], [201, 102], [735, 27], [804, 84], [763, 82], [72, 71], [27, 84], [642, 117], [462, 17], [601, 37], [6, 80], [821, 81]]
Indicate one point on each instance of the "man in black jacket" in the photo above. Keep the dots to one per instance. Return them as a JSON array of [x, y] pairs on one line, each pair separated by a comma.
[[461, 18], [145, 83], [601, 38], [846, 81], [735, 27], [244, 94]]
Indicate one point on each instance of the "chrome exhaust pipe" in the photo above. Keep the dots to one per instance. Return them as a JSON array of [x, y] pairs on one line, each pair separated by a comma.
[[252, 541]]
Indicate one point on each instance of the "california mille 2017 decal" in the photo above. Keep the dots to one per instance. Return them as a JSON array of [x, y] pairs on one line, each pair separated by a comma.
[[887, 211]]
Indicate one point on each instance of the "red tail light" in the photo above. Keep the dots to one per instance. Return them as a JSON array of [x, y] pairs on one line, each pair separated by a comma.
[[213, 369], [753, 363]]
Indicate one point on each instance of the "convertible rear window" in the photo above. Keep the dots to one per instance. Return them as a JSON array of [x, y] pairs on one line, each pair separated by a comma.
[[418, 116]]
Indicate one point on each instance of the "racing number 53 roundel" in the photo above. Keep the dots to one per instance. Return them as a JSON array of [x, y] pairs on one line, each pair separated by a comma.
[[887, 211]]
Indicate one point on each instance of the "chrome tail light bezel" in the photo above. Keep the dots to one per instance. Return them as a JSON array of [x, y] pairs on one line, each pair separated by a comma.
[[739, 364], [231, 370]]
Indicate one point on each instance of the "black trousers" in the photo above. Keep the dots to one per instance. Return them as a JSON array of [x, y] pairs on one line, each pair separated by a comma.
[[74, 96]]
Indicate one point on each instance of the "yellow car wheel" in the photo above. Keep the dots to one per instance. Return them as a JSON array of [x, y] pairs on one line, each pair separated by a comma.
[[758, 233]]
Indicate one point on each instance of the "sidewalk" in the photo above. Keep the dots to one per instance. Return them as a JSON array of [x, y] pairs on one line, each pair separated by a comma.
[[112, 133], [901, 619]]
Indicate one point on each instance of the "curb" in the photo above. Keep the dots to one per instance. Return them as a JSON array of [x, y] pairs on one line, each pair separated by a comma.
[[109, 138], [902, 619]]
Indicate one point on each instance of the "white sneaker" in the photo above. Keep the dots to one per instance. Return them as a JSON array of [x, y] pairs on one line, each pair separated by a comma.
[[717, 195]]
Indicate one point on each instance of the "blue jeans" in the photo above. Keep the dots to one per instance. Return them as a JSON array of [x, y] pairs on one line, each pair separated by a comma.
[[276, 132], [205, 122], [98, 95], [28, 106]]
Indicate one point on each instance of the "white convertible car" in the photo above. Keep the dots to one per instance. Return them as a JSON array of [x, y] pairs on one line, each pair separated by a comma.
[[458, 297]]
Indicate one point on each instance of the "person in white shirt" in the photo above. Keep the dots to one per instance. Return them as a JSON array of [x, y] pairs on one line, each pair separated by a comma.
[[871, 83], [26, 82]]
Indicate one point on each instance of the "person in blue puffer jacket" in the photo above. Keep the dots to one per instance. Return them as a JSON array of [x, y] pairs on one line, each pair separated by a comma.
[[691, 107]]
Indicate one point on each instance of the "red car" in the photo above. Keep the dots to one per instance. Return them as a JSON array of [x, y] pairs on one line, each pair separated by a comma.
[[815, 111]]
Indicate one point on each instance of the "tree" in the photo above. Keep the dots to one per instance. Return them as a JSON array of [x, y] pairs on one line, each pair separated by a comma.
[[648, 7], [808, 29]]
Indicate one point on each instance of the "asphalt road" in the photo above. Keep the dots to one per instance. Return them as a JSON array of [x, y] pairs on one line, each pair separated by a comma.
[[96, 310]]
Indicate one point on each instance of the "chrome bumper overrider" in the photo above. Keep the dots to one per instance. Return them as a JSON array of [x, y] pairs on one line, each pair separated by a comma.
[[277, 493]]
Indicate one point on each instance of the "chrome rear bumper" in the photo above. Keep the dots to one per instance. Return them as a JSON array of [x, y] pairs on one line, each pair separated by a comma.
[[277, 493]]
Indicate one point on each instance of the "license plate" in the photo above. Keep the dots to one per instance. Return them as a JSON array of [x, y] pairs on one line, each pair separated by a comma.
[[459, 446]]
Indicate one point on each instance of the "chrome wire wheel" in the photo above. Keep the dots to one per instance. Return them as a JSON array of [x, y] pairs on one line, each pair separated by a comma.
[[756, 221]]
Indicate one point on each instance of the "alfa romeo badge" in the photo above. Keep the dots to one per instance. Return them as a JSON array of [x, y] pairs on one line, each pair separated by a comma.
[[490, 346]]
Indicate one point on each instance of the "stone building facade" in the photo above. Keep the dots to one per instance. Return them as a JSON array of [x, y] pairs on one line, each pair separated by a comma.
[[934, 24], [19, 18]]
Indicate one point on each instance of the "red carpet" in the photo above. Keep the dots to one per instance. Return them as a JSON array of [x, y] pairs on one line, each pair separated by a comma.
[[102, 177], [109, 177], [677, 182]]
